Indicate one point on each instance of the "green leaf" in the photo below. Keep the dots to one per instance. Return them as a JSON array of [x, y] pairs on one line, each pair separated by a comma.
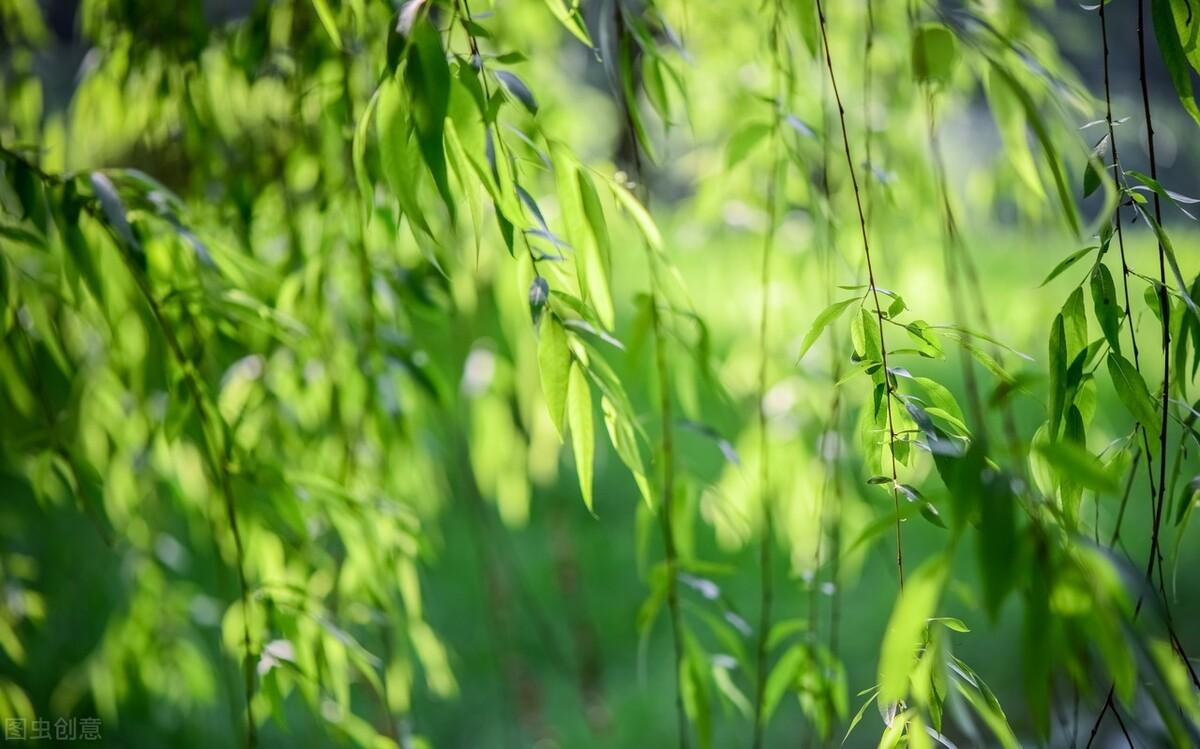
[[114, 212], [1093, 173], [328, 20], [916, 605], [629, 88], [1074, 463], [518, 89], [399, 155], [782, 676], [598, 259], [1132, 391], [359, 156], [1104, 303], [571, 18], [934, 53], [1058, 374], [1075, 324], [583, 439], [744, 141], [1173, 55], [824, 320], [1010, 121], [539, 295], [941, 397], [554, 362], [1042, 133], [1070, 260], [428, 77], [1168, 249], [640, 215]]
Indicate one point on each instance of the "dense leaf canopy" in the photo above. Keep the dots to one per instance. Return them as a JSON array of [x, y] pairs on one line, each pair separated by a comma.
[[606, 373]]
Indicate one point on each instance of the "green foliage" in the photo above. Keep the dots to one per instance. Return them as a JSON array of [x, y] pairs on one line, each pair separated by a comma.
[[288, 406]]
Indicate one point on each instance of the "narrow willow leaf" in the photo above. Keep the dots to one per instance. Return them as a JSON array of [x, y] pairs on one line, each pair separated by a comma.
[[1010, 121], [1093, 173], [640, 215], [743, 142], [328, 20], [1173, 55], [1044, 138], [554, 362], [629, 88], [623, 436], [518, 89], [782, 676], [916, 604], [981, 698], [581, 234], [1132, 391], [428, 77], [1058, 374], [1070, 260], [571, 18], [730, 691], [598, 254], [1104, 303], [539, 294], [399, 156], [1075, 323], [114, 210], [1179, 199], [583, 439], [362, 130], [941, 397], [1168, 248], [1074, 463], [823, 321]]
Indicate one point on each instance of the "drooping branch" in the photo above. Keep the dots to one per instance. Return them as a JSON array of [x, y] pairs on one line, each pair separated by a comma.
[[862, 223]]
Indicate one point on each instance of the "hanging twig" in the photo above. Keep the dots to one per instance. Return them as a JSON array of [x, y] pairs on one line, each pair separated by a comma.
[[862, 222]]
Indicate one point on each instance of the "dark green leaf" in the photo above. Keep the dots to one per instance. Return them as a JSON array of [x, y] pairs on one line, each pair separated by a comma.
[[1107, 308]]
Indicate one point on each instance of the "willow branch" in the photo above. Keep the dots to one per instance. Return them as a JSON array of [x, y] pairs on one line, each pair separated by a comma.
[[862, 223]]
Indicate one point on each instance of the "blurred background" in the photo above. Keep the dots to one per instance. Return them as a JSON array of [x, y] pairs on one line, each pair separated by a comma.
[[246, 111]]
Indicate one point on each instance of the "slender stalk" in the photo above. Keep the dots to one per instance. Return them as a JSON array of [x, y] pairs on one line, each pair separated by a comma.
[[768, 526], [1157, 504], [1118, 175], [667, 444], [1116, 162], [862, 223], [219, 456], [868, 47], [1165, 305], [667, 513]]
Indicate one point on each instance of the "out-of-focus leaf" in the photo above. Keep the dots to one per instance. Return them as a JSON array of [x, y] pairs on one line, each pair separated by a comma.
[[1173, 55], [934, 53], [1076, 464], [428, 77], [554, 362], [583, 440], [915, 606], [328, 20]]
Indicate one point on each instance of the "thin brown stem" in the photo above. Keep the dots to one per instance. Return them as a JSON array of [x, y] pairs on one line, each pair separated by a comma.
[[862, 223]]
